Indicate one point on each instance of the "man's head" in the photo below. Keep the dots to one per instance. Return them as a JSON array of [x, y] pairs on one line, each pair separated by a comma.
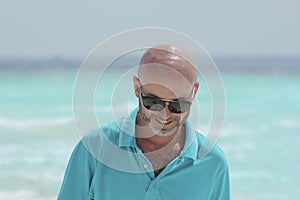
[[166, 86]]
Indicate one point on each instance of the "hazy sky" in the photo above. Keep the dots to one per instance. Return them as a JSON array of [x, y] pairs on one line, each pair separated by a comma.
[[71, 28]]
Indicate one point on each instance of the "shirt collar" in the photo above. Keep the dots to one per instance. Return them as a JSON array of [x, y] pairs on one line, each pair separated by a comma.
[[127, 139], [127, 132]]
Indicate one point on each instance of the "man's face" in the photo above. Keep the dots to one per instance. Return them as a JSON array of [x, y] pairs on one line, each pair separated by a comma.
[[166, 86], [162, 122]]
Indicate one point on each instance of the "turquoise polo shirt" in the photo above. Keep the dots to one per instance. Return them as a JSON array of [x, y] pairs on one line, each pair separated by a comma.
[[107, 164]]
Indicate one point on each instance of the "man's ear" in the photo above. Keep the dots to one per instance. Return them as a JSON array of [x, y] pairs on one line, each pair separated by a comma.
[[136, 86], [195, 89]]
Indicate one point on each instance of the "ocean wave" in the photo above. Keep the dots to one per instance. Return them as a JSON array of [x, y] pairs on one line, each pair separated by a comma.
[[21, 124], [289, 123], [21, 194]]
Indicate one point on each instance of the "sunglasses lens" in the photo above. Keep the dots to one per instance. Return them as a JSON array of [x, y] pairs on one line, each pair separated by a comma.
[[152, 103], [156, 104], [179, 106]]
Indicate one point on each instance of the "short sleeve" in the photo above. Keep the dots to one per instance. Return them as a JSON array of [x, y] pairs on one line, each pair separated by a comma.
[[221, 189], [78, 175]]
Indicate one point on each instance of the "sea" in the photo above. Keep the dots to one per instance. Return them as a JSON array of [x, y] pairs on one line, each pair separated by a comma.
[[260, 136]]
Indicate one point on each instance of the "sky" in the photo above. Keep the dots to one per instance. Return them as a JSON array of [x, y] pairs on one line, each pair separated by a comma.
[[71, 28]]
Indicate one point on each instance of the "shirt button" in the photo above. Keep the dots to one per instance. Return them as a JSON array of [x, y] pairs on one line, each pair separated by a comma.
[[145, 166]]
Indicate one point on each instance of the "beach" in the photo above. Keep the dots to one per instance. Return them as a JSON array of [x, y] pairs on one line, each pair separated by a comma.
[[260, 137]]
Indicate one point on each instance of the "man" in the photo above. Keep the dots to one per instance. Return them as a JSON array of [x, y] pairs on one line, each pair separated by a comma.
[[162, 159]]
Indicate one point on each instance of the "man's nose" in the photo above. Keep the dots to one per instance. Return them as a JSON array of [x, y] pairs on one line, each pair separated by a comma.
[[166, 111]]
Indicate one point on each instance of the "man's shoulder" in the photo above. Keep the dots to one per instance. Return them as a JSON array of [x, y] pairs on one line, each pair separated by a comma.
[[95, 138], [110, 130], [209, 151]]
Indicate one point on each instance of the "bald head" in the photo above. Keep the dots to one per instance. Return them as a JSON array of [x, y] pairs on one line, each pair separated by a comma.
[[173, 57]]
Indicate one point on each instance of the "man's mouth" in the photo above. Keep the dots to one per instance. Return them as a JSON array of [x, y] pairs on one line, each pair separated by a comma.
[[163, 122]]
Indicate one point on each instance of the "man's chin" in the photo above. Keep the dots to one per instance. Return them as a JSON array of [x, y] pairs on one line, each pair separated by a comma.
[[165, 133]]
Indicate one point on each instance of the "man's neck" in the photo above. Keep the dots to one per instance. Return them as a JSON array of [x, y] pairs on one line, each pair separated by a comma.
[[160, 150], [154, 142]]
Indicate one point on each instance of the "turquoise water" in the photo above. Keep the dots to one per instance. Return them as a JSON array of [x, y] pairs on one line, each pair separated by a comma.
[[261, 136]]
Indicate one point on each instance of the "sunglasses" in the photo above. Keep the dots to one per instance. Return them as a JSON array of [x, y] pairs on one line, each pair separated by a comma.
[[157, 104]]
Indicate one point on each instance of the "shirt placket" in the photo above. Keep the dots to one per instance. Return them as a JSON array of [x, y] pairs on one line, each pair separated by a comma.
[[152, 192]]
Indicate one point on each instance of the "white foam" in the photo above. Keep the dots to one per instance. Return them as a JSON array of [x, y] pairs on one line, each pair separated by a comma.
[[25, 123], [252, 175], [21, 194], [289, 123]]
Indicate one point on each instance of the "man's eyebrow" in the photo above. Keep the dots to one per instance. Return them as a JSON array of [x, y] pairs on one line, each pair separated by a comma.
[[152, 95]]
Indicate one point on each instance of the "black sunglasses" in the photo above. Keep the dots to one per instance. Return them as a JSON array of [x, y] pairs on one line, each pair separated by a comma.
[[157, 104]]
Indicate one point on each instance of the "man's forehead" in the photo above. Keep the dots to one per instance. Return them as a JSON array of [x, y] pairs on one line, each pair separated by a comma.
[[160, 73], [161, 76]]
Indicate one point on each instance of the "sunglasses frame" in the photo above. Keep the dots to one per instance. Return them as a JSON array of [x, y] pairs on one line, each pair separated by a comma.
[[163, 103]]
